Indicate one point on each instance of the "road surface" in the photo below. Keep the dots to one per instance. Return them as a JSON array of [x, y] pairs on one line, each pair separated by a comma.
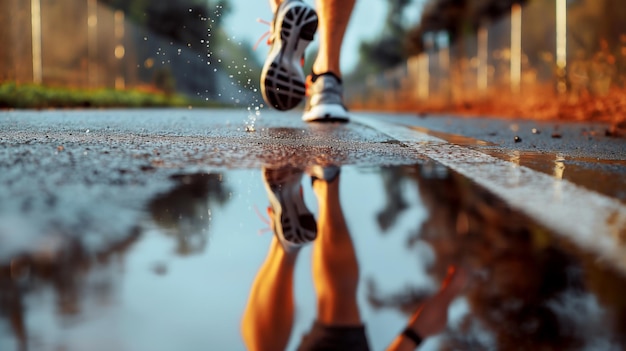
[[148, 224]]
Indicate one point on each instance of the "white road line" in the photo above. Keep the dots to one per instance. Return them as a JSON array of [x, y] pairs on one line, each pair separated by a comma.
[[595, 222]]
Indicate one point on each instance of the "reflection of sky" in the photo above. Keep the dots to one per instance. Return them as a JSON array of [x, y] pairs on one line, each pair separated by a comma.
[[366, 22], [199, 300]]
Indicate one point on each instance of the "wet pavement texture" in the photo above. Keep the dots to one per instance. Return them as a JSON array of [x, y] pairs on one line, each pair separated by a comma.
[[580, 152], [146, 230]]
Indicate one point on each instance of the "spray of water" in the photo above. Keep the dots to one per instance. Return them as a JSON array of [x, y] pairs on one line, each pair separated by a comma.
[[234, 73]]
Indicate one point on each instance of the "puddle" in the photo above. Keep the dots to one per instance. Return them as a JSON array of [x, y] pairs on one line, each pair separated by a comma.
[[185, 279], [603, 176]]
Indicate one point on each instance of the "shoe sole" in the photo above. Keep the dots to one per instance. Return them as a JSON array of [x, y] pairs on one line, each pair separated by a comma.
[[326, 113], [282, 77], [294, 225]]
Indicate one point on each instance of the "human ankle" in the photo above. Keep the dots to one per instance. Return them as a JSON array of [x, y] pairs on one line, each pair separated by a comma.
[[320, 69]]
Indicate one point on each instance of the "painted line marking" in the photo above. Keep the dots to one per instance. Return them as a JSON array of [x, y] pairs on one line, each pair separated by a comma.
[[592, 220]]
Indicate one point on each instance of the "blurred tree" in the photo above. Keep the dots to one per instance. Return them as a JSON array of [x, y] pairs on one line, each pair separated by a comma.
[[457, 18], [195, 25], [469, 227], [182, 212], [388, 49], [184, 21]]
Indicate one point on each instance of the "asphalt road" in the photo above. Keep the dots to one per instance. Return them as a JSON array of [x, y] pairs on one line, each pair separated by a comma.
[[64, 159], [164, 201]]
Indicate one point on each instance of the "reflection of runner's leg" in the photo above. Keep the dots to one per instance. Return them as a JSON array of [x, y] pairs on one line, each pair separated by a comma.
[[335, 268], [268, 316], [335, 274]]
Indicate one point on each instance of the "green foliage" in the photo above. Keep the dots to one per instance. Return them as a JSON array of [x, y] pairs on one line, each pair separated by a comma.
[[36, 96], [164, 81]]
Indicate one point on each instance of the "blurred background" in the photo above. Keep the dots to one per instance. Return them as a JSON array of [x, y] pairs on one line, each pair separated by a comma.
[[543, 58]]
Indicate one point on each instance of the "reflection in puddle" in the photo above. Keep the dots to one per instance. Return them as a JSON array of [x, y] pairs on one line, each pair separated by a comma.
[[603, 176], [185, 212], [515, 285]]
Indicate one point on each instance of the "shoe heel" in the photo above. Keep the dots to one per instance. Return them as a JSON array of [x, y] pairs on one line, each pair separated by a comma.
[[310, 27], [299, 16]]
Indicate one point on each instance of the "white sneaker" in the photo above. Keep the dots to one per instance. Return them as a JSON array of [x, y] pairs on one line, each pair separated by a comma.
[[326, 100], [292, 222], [282, 77]]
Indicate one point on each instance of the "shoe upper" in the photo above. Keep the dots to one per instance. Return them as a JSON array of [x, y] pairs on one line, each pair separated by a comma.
[[325, 103], [326, 89]]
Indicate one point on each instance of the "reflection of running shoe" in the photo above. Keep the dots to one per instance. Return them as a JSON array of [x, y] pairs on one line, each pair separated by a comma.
[[326, 100], [327, 173], [293, 223], [282, 77]]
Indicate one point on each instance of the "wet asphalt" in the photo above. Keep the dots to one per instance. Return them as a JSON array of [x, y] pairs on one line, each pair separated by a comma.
[[109, 215]]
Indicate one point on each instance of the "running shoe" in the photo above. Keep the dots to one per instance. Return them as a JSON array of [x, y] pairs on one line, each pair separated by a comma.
[[326, 173], [326, 100], [293, 223], [282, 77]]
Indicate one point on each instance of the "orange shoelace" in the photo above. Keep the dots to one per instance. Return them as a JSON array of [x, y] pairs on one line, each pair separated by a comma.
[[266, 34], [264, 220]]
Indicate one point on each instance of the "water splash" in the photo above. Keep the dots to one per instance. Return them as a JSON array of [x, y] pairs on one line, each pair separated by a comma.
[[254, 113]]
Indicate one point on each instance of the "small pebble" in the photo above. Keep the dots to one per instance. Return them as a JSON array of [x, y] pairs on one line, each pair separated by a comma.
[[517, 139], [556, 135], [536, 131]]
